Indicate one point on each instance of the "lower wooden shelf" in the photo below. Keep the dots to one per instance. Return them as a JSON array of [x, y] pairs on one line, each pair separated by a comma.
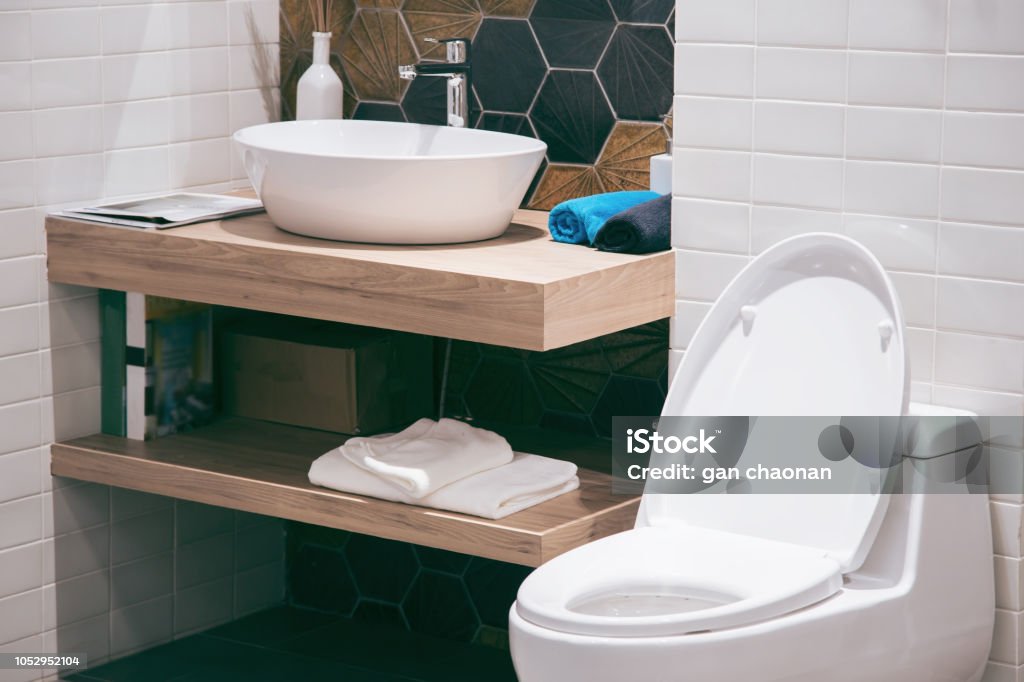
[[260, 467]]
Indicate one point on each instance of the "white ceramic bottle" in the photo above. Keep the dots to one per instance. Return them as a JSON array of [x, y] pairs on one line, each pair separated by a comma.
[[319, 94]]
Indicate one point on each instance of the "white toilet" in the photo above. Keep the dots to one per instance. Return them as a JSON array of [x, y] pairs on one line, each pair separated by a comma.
[[757, 588]]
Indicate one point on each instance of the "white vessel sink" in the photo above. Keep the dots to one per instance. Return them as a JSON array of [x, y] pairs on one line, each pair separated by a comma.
[[388, 183]]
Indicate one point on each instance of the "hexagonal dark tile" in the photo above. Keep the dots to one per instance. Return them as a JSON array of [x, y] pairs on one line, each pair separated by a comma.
[[572, 33], [442, 560], [306, 533], [671, 24], [572, 115], [426, 101], [507, 65], [570, 379], [643, 11], [641, 351], [383, 569], [636, 72], [319, 578], [562, 421], [376, 111], [462, 363], [624, 397], [515, 124], [502, 391], [438, 605], [379, 613], [493, 586]]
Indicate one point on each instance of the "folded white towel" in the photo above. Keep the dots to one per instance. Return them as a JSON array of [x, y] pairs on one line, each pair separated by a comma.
[[428, 454], [492, 494]]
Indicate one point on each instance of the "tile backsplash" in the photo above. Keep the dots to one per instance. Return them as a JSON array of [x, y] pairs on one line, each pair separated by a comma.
[[100, 99], [900, 124], [591, 78]]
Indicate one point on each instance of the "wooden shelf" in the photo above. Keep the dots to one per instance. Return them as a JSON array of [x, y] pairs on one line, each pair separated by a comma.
[[261, 467], [520, 290]]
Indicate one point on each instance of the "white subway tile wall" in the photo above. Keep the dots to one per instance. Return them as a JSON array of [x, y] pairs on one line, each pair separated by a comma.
[[102, 99], [900, 124]]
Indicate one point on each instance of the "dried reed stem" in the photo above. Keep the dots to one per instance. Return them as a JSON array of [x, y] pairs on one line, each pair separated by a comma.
[[321, 12]]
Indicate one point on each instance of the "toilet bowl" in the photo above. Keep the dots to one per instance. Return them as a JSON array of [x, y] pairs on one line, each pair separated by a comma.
[[763, 587]]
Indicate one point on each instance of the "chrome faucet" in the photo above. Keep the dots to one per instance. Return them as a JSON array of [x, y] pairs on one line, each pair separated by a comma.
[[456, 69]]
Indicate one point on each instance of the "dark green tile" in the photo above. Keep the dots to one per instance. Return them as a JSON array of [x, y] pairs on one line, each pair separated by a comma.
[[318, 577], [442, 560], [438, 605], [638, 352], [273, 625], [493, 586], [390, 651], [383, 569], [503, 391], [379, 613]]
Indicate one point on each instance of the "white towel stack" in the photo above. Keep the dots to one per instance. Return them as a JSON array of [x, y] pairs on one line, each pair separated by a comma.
[[446, 465]]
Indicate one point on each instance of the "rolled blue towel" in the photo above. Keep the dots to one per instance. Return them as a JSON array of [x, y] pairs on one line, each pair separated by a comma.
[[577, 221]]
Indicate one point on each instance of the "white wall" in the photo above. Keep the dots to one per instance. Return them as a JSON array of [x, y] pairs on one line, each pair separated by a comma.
[[899, 123], [100, 98]]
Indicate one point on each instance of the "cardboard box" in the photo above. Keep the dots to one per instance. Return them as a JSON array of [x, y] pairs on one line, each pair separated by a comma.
[[321, 375]]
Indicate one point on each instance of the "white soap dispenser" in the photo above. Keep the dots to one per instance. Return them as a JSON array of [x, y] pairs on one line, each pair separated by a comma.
[[661, 170]]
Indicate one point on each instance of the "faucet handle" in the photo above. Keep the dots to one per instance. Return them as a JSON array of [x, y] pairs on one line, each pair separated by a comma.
[[456, 50]]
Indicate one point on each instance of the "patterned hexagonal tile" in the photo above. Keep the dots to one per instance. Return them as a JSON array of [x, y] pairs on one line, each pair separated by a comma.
[[507, 65], [376, 111], [572, 33], [505, 8], [320, 579], [625, 163], [570, 379], [641, 351], [440, 19], [503, 391], [383, 569], [442, 560], [643, 11], [305, 533], [516, 124], [379, 613], [493, 586], [636, 72], [426, 101], [376, 44], [572, 115], [561, 182], [564, 421], [438, 605], [625, 396], [297, 27]]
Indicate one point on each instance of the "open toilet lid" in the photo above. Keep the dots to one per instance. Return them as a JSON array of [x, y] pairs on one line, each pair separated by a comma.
[[811, 327]]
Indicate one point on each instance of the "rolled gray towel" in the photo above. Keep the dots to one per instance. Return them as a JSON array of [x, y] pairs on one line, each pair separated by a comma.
[[644, 228]]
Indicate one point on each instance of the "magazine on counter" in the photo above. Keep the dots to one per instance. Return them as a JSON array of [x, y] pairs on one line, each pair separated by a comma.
[[169, 210]]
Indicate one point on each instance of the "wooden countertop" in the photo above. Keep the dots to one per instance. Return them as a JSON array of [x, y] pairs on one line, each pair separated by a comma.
[[521, 290]]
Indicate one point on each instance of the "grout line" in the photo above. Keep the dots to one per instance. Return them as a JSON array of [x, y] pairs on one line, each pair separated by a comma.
[[753, 131], [938, 207]]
